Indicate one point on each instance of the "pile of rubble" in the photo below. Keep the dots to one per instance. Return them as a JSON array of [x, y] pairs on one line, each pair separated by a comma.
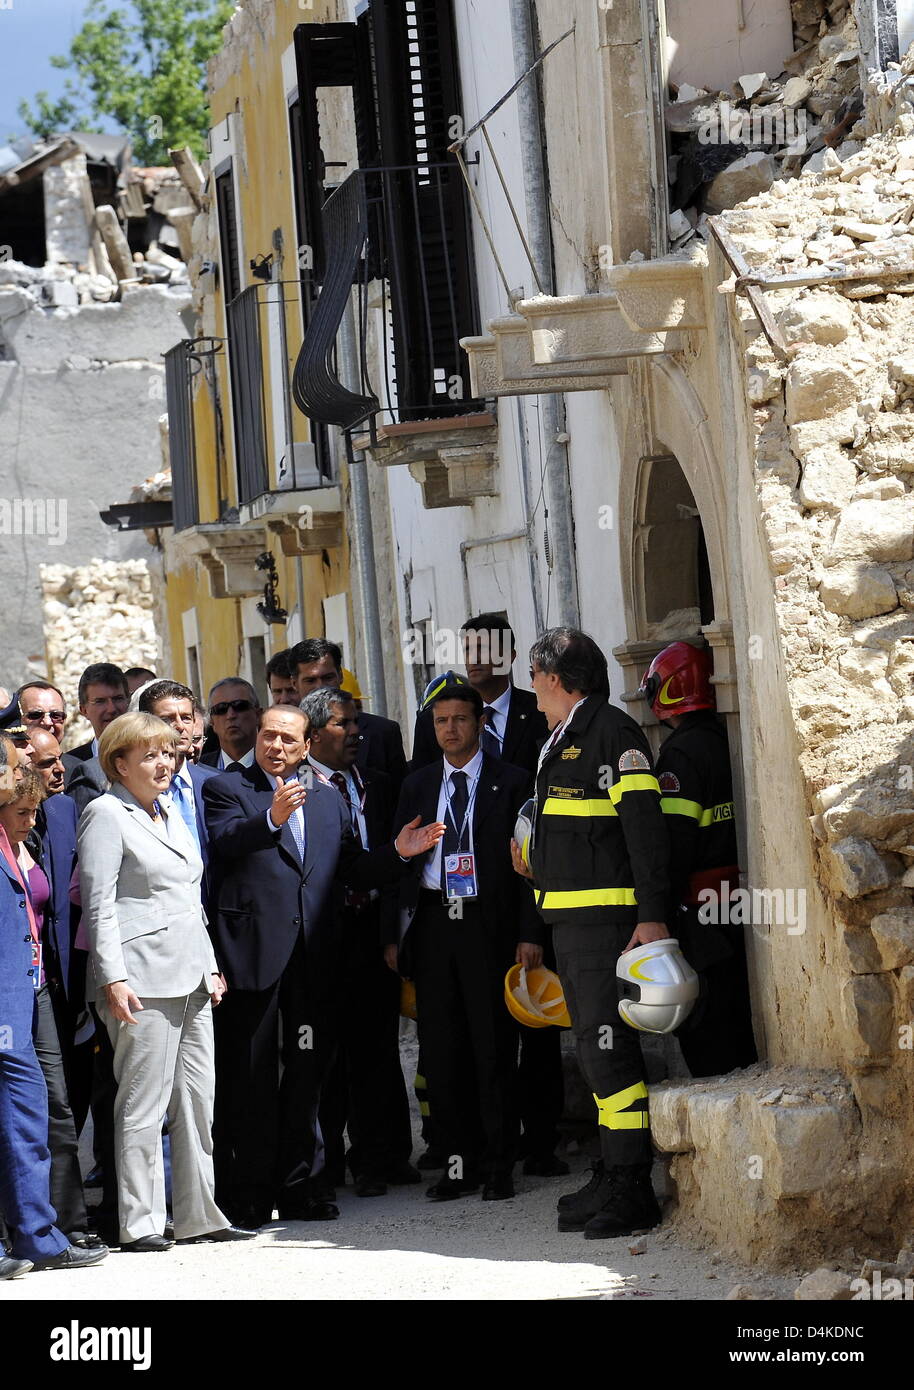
[[728, 146], [102, 611]]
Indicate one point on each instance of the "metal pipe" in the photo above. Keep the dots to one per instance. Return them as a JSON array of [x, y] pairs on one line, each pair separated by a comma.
[[361, 535], [558, 483]]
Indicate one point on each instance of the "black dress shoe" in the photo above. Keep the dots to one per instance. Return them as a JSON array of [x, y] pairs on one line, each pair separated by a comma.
[[367, 1185], [13, 1269], [95, 1178], [431, 1161], [248, 1218], [85, 1240], [499, 1188], [146, 1245], [545, 1166], [402, 1174], [223, 1233], [447, 1189], [73, 1258]]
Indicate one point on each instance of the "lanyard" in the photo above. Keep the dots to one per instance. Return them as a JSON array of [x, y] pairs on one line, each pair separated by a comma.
[[546, 749], [469, 806], [361, 791]]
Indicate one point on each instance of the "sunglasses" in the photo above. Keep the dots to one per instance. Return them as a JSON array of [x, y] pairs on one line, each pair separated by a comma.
[[35, 716], [239, 707]]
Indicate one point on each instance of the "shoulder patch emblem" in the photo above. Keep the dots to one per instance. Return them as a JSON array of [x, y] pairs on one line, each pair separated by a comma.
[[633, 760], [569, 753], [669, 782]]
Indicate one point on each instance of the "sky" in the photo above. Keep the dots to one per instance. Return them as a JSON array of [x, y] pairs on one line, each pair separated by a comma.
[[30, 31]]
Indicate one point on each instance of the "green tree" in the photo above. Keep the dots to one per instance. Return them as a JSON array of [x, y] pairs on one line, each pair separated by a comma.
[[143, 68]]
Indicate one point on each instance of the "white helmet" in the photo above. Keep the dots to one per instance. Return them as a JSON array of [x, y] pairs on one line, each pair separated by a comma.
[[523, 829], [658, 986]]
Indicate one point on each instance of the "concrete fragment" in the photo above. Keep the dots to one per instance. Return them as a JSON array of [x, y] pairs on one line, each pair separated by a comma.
[[824, 1285], [839, 428], [816, 388], [856, 867], [638, 1246], [796, 90], [862, 951], [858, 591], [742, 179], [893, 933], [868, 1008], [819, 318], [879, 530], [829, 478]]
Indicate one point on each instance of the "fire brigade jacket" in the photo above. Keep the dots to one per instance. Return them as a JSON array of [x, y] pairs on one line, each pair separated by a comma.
[[600, 850], [696, 787]]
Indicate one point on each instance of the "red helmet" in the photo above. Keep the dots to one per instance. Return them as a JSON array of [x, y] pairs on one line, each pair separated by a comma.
[[679, 680]]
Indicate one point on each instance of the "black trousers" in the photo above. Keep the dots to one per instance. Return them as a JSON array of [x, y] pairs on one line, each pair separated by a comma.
[[717, 1036], [609, 1052], [364, 1090], [268, 1146], [103, 1093], [67, 1197], [467, 1036]]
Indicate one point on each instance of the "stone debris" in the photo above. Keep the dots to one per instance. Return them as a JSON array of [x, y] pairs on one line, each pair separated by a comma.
[[102, 611], [824, 1285], [729, 146]]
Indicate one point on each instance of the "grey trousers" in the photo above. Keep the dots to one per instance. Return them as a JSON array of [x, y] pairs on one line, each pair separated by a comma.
[[163, 1065]]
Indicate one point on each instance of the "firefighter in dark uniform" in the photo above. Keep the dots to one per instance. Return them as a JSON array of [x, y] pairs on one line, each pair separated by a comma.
[[696, 787], [598, 856]]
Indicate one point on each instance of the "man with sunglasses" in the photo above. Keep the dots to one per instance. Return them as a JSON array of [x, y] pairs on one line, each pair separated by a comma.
[[43, 707], [234, 709]]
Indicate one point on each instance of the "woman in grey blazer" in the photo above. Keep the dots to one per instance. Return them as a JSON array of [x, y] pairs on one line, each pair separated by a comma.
[[155, 977]]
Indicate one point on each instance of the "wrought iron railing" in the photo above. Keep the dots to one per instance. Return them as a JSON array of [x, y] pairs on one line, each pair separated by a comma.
[[408, 228]]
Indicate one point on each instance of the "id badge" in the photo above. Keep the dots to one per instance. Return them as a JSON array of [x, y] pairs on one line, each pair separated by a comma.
[[35, 971], [460, 875]]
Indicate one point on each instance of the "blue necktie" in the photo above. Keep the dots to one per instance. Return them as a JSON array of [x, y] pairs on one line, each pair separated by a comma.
[[179, 792], [489, 739], [297, 826]]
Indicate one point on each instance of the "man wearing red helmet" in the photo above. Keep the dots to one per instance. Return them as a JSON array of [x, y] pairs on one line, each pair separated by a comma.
[[696, 787]]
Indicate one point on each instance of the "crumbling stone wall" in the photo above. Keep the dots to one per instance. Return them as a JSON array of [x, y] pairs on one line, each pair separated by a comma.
[[102, 611]]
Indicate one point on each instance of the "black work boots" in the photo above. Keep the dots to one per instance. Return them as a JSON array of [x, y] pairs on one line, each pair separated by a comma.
[[616, 1202]]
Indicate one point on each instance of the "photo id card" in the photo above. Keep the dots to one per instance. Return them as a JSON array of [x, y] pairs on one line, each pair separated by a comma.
[[460, 875]]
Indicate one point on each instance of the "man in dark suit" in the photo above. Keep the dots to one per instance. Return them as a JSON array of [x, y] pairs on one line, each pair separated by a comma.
[[103, 695], [364, 1090], [464, 924], [24, 1157], [515, 730], [315, 662], [234, 710], [280, 852], [175, 704]]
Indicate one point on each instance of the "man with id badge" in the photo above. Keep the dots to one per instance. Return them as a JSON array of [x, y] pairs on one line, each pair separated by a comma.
[[463, 923]]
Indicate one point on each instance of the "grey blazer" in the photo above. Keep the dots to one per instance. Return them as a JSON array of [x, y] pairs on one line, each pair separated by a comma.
[[141, 900]]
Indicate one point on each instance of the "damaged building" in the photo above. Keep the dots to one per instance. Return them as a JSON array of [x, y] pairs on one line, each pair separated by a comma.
[[629, 346], [92, 287]]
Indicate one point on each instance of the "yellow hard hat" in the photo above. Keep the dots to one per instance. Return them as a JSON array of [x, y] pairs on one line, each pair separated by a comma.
[[407, 999], [536, 998], [351, 685]]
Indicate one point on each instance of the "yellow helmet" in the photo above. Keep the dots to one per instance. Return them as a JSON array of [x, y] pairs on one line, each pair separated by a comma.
[[407, 999], [536, 998], [351, 685]]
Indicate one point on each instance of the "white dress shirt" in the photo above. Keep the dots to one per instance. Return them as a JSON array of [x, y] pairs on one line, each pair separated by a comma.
[[431, 870], [246, 760], [498, 721], [355, 795]]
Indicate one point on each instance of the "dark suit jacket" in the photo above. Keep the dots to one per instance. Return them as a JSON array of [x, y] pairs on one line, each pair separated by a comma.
[[263, 896], [198, 776], [56, 826], [505, 901], [87, 782], [17, 992], [381, 747], [525, 734], [73, 757], [378, 810]]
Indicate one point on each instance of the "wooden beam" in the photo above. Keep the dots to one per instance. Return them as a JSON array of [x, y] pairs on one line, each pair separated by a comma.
[[115, 242], [190, 173]]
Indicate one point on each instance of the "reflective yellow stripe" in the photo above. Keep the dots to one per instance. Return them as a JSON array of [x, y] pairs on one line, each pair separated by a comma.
[[614, 1112], [633, 782], [588, 897], [677, 806], [424, 1110], [558, 806]]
